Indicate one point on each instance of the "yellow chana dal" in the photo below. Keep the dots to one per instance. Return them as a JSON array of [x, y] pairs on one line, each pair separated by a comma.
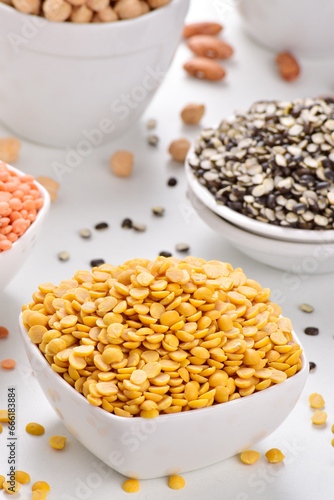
[[274, 455], [176, 482], [57, 442], [249, 457], [131, 486], [319, 417], [162, 336]]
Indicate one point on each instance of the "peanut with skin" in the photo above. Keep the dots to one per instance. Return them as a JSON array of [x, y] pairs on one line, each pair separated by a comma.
[[203, 68], [288, 66], [178, 149], [205, 28], [210, 46], [192, 113]]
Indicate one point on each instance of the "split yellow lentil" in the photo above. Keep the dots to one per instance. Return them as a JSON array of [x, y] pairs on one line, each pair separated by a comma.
[[35, 429], [274, 455], [176, 482], [162, 336], [249, 457], [131, 486], [316, 400], [4, 416], [39, 495], [41, 485], [319, 417], [57, 442], [2, 480], [22, 477], [9, 488]]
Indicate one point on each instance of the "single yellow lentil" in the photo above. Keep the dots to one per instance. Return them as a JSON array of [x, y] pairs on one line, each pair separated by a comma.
[[57, 442], [41, 485], [4, 416], [7, 486], [319, 417], [176, 482], [22, 477], [2, 480], [274, 455], [39, 495], [131, 486], [35, 429], [249, 457], [316, 400]]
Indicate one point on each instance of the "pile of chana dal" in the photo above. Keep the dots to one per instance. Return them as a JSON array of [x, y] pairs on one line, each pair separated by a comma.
[[163, 336]]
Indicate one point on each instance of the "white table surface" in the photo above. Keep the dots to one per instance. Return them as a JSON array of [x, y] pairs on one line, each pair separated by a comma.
[[91, 194]]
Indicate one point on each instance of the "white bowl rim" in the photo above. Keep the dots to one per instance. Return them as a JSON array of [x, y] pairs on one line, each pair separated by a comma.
[[252, 225], [90, 26], [40, 213], [175, 416]]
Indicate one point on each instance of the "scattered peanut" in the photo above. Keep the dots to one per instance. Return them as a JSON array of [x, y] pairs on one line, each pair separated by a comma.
[[57, 442], [319, 417], [288, 66], [35, 429], [131, 486], [176, 482], [210, 46], [204, 28], [178, 149], [162, 336], [8, 364], [274, 456], [316, 400], [121, 163], [203, 68], [192, 113], [249, 457], [9, 149]]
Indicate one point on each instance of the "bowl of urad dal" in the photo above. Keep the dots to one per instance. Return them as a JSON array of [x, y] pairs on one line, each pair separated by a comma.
[[177, 351]]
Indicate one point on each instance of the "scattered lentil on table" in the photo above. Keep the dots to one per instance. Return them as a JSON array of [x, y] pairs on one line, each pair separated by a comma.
[[162, 336], [249, 457], [172, 181], [151, 124], [4, 416], [312, 366], [20, 202], [11, 488], [319, 417], [50, 185], [316, 400], [22, 477], [63, 256], [3, 332], [85, 233], [96, 262], [159, 211], [127, 224], [274, 456], [2, 480], [165, 253], [41, 485], [273, 163], [35, 429], [8, 364], [311, 330], [176, 482], [57, 442], [101, 226], [306, 308], [288, 66], [138, 226], [153, 140], [182, 247], [131, 486]]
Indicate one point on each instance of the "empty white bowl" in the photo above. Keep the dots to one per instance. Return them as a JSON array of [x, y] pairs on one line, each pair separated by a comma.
[[290, 256], [169, 444], [252, 225], [304, 27], [67, 84], [12, 260]]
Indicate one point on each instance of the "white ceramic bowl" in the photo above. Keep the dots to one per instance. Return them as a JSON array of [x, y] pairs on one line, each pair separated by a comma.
[[169, 444], [252, 225], [304, 27], [12, 260], [288, 256], [67, 84]]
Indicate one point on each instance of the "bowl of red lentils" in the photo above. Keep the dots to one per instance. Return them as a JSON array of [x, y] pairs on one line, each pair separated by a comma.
[[164, 366], [90, 67], [24, 204]]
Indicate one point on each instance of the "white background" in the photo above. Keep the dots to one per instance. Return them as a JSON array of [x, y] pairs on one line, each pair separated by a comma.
[[91, 194]]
